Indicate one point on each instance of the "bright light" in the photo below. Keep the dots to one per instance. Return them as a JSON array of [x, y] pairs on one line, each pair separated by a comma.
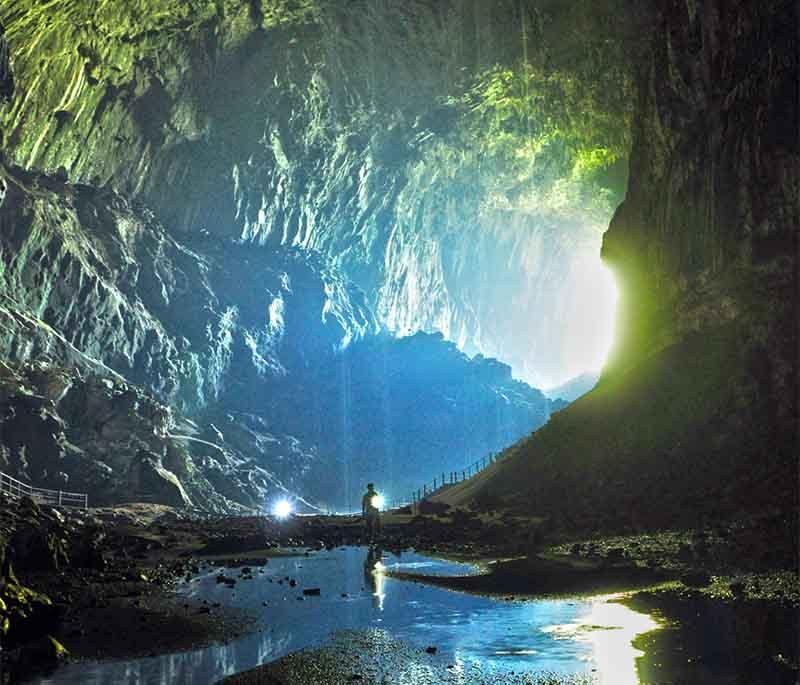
[[589, 313], [610, 629], [377, 501], [379, 575], [282, 509]]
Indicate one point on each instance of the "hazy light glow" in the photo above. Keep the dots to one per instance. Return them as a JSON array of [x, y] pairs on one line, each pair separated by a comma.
[[589, 316], [377, 501], [282, 509]]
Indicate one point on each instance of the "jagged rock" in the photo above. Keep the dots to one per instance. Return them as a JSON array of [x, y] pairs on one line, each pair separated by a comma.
[[40, 539], [374, 172], [227, 333], [329, 203], [79, 420]]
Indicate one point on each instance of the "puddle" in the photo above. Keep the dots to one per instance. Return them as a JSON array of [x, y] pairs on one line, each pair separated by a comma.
[[586, 636]]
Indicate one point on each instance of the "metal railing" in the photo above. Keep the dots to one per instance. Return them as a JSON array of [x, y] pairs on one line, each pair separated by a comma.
[[14, 488], [447, 479]]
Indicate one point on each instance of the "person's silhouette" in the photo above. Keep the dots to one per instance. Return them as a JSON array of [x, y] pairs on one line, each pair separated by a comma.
[[371, 512]]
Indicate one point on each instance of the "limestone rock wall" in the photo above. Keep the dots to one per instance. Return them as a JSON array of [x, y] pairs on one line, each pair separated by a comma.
[[257, 368], [320, 126], [706, 239], [695, 419]]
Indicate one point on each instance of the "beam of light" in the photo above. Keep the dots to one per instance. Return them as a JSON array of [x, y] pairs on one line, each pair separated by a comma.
[[282, 509], [378, 501]]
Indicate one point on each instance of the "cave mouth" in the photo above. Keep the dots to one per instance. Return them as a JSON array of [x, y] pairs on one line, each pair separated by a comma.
[[483, 165], [256, 254], [348, 241], [589, 321]]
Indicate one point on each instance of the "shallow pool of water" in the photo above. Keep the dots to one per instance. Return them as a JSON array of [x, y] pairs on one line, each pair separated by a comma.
[[569, 636]]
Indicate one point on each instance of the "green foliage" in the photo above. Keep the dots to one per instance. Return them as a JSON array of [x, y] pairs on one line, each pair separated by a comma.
[[524, 111], [279, 12], [548, 138], [555, 126]]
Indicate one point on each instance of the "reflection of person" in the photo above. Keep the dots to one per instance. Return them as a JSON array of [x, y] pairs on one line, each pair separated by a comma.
[[373, 576], [374, 557], [370, 512]]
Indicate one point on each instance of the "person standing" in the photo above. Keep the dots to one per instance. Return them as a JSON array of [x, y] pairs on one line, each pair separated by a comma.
[[371, 512]]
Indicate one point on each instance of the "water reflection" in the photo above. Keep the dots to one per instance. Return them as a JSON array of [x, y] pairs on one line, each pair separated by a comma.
[[374, 574], [472, 632], [609, 627]]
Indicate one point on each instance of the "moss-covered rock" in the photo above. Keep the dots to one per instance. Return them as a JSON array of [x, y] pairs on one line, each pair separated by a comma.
[[24, 613]]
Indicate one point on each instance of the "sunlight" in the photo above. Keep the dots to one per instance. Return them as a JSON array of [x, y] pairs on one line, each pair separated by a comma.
[[589, 315]]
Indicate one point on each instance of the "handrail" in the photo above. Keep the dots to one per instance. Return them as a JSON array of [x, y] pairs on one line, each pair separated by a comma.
[[16, 488], [448, 480]]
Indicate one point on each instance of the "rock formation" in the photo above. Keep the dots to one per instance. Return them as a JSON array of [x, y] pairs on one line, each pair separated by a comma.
[[229, 212], [275, 357], [359, 132], [695, 417], [232, 212]]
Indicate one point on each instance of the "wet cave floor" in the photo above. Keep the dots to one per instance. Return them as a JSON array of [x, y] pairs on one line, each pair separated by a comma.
[[319, 606]]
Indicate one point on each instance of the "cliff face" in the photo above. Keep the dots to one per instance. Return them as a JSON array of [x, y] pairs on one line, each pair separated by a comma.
[[242, 203], [97, 294], [707, 232], [696, 415], [336, 129], [263, 367], [705, 243], [107, 284], [232, 207]]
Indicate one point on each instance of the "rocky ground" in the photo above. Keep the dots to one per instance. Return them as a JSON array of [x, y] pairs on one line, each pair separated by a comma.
[[97, 584]]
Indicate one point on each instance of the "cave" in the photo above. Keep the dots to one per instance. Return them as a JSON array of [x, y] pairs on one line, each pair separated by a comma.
[[529, 267]]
